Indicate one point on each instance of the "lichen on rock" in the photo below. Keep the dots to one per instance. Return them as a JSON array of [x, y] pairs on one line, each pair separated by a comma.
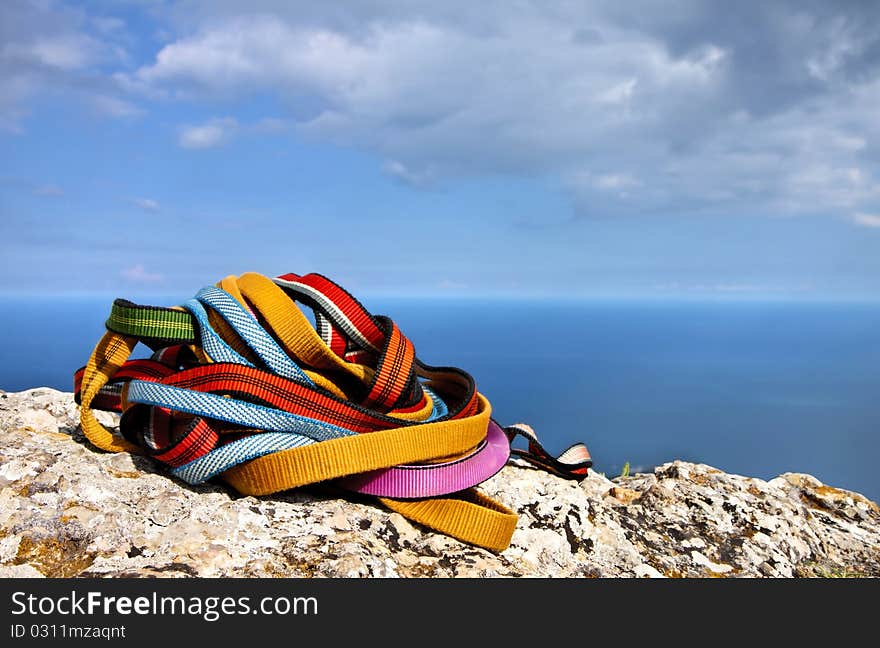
[[69, 510]]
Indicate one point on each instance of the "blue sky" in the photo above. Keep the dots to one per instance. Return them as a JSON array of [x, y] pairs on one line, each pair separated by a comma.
[[662, 150]]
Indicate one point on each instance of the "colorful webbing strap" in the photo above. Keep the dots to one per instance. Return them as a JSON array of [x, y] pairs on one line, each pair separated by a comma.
[[242, 386], [150, 393], [151, 324], [284, 407], [573, 463], [363, 452]]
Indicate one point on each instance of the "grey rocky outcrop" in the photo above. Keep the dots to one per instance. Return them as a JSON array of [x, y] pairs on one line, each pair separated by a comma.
[[69, 510]]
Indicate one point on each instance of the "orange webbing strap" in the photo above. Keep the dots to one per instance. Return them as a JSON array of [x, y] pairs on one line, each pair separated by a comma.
[[109, 355], [471, 517], [394, 372]]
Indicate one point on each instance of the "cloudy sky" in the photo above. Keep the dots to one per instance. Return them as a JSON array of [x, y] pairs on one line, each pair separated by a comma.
[[658, 149]]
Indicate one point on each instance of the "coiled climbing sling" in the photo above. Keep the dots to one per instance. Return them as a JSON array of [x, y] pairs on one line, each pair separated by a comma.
[[242, 387]]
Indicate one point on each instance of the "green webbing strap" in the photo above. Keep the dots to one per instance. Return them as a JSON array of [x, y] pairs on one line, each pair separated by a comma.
[[151, 323]]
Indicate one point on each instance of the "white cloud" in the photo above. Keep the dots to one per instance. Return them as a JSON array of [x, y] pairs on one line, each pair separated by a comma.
[[847, 142], [115, 107], [706, 63], [429, 95], [413, 178], [592, 188], [65, 52], [441, 98], [209, 135], [146, 204], [832, 183], [619, 93], [616, 181], [844, 43], [628, 110], [218, 131], [866, 220], [48, 47], [139, 274]]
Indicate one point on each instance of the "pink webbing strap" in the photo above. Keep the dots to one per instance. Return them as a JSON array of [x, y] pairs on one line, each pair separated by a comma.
[[432, 480]]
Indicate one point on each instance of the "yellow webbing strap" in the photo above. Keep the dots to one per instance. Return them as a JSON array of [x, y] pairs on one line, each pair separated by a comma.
[[109, 355], [472, 517], [230, 285]]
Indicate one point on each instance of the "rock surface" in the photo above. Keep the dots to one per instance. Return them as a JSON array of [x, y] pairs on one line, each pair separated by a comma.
[[69, 510]]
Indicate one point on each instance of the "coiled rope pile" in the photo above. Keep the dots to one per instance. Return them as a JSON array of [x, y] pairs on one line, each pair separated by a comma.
[[243, 387]]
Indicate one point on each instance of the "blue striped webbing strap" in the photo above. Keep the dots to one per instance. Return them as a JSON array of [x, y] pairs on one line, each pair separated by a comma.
[[439, 407], [212, 344], [226, 456], [255, 336], [250, 415]]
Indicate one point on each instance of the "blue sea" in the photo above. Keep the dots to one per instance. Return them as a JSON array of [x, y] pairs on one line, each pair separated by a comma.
[[753, 388]]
